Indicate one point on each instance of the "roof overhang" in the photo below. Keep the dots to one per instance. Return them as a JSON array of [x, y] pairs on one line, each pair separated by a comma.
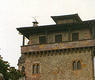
[[64, 17]]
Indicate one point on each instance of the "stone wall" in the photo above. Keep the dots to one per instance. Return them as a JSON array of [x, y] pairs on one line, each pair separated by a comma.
[[58, 66], [83, 34]]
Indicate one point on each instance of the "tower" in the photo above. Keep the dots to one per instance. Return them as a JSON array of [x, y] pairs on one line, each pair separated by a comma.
[[63, 51]]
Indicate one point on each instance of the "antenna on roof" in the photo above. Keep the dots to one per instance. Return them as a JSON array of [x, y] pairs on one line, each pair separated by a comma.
[[35, 23], [34, 19]]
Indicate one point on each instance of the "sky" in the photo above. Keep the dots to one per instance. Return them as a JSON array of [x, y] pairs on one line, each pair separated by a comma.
[[20, 13]]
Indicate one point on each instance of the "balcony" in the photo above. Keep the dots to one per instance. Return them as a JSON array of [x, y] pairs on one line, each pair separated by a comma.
[[54, 46]]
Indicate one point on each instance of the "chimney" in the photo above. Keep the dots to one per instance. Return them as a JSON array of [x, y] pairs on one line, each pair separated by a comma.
[[35, 24]]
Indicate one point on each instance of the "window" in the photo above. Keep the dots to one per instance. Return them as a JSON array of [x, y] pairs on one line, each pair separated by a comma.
[[42, 39], [23, 69], [36, 68], [74, 65], [33, 68], [78, 65], [58, 38], [75, 36]]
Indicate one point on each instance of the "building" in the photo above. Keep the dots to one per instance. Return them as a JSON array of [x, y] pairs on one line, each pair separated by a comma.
[[63, 51]]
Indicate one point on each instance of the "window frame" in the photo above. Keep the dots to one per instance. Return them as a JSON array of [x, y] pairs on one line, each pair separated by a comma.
[[75, 36], [74, 65], [58, 38], [35, 68], [78, 65], [42, 39], [23, 69]]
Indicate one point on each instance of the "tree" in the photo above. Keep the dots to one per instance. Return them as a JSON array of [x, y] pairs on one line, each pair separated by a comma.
[[4, 69], [9, 72], [15, 74]]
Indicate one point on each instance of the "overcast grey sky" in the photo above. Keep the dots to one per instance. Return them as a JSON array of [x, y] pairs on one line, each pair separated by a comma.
[[19, 13]]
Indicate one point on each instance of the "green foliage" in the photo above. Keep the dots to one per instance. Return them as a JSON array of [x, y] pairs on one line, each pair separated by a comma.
[[4, 69], [9, 72], [15, 74]]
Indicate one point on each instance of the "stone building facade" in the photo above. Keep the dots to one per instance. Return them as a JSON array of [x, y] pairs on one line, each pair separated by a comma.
[[63, 51]]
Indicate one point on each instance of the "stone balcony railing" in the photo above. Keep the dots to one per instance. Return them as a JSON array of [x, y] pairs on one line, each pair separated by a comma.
[[54, 46]]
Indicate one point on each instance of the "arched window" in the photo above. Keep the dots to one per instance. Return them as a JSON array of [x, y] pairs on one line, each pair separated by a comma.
[[74, 65], [37, 68], [23, 69], [78, 65], [33, 68]]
